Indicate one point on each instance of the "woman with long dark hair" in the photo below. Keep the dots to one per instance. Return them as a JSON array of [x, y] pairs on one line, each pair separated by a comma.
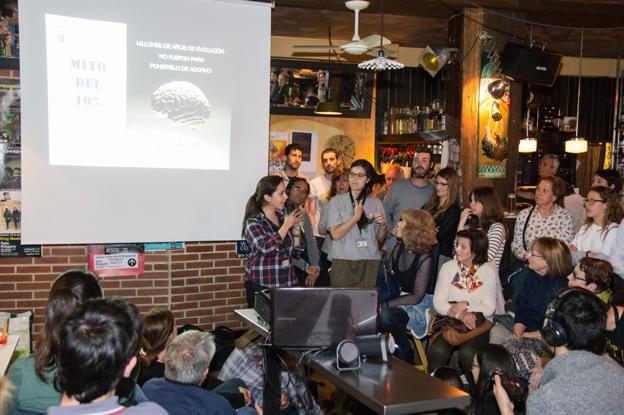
[[158, 331], [33, 376], [357, 226], [444, 207], [485, 209], [273, 237]]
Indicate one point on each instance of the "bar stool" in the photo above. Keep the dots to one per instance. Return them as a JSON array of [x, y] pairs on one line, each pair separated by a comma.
[[420, 358]]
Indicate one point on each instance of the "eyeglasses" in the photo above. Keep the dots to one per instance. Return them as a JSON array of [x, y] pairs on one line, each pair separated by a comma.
[[592, 202], [577, 278], [439, 183], [301, 188], [357, 175]]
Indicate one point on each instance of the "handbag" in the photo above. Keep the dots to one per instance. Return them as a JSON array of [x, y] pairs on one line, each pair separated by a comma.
[[389, 287], [455, 332]]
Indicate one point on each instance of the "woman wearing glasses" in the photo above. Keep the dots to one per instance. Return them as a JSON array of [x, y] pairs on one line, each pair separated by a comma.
[[546, 218], [357, 225], [604, 213], [444, 207]]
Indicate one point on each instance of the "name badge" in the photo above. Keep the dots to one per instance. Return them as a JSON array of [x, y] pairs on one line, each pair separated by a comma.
[[285, 263], [361, 244]]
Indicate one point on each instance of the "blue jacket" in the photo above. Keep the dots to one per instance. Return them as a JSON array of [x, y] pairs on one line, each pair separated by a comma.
[[534, 297]]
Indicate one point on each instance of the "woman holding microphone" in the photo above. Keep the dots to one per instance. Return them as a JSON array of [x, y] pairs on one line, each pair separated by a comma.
[[273, 237]]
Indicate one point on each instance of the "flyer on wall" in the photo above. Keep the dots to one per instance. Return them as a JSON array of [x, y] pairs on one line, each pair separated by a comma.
[[116, 260], [11, 173]]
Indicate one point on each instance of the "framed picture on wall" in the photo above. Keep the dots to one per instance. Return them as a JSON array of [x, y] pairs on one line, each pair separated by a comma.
[[308, 140]]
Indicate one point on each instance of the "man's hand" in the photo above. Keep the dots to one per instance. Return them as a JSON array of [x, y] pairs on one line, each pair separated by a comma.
[[313, 274]]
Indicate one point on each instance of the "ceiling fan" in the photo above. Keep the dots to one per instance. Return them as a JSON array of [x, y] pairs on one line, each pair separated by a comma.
[[357, 46]]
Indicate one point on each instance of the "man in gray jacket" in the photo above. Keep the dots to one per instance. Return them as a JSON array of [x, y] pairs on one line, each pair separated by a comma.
[[577, 381]]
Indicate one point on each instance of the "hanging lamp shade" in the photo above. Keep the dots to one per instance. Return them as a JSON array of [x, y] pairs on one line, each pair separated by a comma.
[[380, 63], [527, 145], [328, 108], [576, 145]]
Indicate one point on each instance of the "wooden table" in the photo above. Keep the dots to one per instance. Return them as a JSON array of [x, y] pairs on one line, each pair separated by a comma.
[[390, 388]]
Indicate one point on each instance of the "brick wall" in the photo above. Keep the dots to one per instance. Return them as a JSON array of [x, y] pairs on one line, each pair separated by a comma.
[[202, 284]]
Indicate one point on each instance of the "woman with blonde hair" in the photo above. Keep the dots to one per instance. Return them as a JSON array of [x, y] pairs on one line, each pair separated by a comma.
[[410, 266], [444, 207], [604, 213]]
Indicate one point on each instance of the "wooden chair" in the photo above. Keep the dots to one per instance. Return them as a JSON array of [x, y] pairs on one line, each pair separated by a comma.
[[420, 357]]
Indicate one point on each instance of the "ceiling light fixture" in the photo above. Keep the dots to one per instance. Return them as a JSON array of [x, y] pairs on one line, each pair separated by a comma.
[[578, 144], [381, 63], [528, 144]]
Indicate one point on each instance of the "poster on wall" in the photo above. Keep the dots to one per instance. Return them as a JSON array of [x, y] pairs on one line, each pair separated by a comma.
[[493, 117], [277, 145], [11, 173], [308, 140], [116, 260]]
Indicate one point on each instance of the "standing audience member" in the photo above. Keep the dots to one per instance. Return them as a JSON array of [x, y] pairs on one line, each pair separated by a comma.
[[491, 360], [410, 265], [485, 207], [466, 285], [319, 188], [307, 266], [577, 381], [187, 362], [546, 218], [409, 193], [98, 343], [339, 186], [393, 174], [272, 236], [604, 213], [294, 158], [357, 226], [608, 178], [33, 376], [444, 207]]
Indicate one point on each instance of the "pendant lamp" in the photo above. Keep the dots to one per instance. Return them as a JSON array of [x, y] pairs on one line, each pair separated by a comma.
[[527, 144], [578, 144], [381, 63], [328, 107]]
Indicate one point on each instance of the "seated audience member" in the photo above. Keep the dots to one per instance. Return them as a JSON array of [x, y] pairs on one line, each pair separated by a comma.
[[246, 362], [158, 331], [573, 203], [614, 345], [616, 256], [466, 285], [393, 174], [307, 266], [604, 213], [97, 347], [410, 266], [608, 178], [444, 207], [546, 218], [485, 207], [32, 376], [594, 275], [186, 366], [490, 360], [550, 262], [577, 381], [357, 226]]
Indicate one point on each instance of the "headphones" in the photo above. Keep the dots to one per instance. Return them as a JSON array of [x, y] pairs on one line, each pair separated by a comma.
[[553, 333]]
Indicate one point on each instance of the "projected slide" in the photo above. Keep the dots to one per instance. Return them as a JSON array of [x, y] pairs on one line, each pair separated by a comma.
[[122, 95]]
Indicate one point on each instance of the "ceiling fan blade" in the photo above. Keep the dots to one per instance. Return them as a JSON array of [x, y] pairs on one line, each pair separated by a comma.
[[390, 50], [314, 47], [375, 39], [355, 48]]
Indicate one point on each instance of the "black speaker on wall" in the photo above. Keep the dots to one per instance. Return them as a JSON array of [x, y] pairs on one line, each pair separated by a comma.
[[522, 64]]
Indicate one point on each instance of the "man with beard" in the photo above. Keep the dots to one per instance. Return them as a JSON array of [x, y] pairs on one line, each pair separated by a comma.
[[294, 157], [319, 189], [408, 193]]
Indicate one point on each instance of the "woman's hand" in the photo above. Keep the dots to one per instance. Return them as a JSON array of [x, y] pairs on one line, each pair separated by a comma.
[[246, 394], [536, 372], [573, 248], [533, 334], [293, 218], [379, 219], [463, 217], [456, 309], [358, 210], [469, 320], [518, 331], [313, 273]]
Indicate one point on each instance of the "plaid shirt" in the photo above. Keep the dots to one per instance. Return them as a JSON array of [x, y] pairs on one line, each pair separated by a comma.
[[247, 365], [270, 260]]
